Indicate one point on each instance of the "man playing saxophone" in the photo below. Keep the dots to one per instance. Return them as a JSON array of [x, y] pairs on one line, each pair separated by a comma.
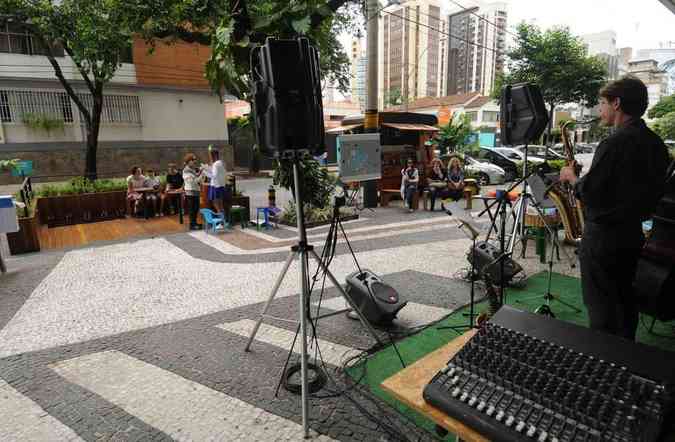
[[620, 190]]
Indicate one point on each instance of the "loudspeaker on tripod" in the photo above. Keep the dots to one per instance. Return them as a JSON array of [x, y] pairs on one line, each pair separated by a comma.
[[523, 115], [378, 301], [487, 262]]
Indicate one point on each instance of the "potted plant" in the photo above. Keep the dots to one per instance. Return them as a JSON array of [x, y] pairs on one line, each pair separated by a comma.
[[26, 240]]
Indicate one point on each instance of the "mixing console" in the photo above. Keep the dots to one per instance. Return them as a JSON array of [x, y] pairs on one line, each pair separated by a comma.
[[510, 385]]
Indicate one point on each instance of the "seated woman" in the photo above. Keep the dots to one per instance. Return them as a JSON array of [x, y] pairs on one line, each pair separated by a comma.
[[152, 198], [455, 180], [135, 181], [410, 178], [437, 182]]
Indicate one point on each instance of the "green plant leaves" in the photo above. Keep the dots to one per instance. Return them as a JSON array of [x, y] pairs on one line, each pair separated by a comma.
[[302, 26]]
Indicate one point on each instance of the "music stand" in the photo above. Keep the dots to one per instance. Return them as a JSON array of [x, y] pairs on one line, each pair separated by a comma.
[[472, 232]]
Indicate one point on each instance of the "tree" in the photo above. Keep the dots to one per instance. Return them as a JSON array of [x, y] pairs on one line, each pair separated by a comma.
[[393, 97], [453, 136], [665, 126], [94, 34], [665, 106], [557, 62]]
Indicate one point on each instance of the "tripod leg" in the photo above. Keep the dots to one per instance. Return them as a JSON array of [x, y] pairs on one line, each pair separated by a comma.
[[304, 296], [277, 284], [335, 282]]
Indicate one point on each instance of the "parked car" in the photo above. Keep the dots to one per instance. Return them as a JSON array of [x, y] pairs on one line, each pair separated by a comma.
[[484, 172], [490, 155], [516, 155], [538, 151]]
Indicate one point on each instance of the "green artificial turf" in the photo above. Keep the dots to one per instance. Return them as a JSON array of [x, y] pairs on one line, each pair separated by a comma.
[[386, 363]]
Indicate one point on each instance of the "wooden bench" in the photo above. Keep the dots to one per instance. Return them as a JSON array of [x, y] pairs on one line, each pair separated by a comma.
[[388, 194]]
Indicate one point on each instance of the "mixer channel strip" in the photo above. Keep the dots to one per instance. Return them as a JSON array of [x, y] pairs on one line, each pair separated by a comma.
[[510, 386]]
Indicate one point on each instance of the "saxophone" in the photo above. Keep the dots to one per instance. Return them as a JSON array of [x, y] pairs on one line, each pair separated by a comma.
[[562, 195]]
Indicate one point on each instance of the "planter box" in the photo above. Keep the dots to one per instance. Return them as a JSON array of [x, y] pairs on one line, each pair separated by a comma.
[[26, 240], [309, 225], [67, 210]]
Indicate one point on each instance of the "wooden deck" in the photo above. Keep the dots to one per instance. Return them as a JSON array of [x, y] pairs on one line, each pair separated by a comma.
[[84, 234]]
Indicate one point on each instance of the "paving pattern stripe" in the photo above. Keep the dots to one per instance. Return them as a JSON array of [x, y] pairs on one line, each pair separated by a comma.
[[183, 409], [24, 420], [412, 315], [332, 353], [231, 249], [390, 226]]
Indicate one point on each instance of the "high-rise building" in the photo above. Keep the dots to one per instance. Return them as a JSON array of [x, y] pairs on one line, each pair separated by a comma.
[[625, 55], [665, 57], [411, 50], [358, 72], [603, 45], [654, 78], [475, 49]]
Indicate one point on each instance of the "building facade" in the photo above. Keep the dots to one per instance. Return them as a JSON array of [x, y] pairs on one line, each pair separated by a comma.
[[603, 45], [665, 57], [412, 50], [475, 47], [652, 76], [156, 101]]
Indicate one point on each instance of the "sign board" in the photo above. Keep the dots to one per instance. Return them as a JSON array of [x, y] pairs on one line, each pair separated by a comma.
[[359, 157], [25, 166]]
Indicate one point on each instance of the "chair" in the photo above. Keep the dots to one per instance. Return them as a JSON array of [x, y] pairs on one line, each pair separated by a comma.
[[212, 220], [265, 212], [240, 212]]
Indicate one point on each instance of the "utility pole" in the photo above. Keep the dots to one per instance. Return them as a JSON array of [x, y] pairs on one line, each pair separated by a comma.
[[370, 120]]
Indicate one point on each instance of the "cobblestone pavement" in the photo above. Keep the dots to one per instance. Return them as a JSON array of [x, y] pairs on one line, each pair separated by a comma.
[[143, 340]]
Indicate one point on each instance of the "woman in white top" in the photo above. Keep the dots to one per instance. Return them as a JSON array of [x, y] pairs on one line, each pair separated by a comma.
[[135, 181], [220, 192]]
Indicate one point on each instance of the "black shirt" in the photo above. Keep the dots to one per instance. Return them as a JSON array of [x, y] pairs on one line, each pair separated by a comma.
[[626, 178], [175, 180]]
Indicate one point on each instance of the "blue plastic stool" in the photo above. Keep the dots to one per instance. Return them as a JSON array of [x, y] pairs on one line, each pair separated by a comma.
[[213, 220], [266, 217]]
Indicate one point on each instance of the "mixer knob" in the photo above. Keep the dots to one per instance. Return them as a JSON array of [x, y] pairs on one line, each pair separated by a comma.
[[542, 436], [481, 406], [463, 396], [509, 421], [500, 416], [455, 392], [531, 431], [472, 401], [520, 427], [490, 411]]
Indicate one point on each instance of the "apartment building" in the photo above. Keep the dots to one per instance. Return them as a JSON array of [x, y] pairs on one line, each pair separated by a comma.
[[412, 50], [157, 106], [475, 47], [603, 45], [652, 76]]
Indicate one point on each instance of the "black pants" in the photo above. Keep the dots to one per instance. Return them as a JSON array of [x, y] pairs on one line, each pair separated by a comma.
[[608, 257], [437, 192], [410, 190], [193, 208]]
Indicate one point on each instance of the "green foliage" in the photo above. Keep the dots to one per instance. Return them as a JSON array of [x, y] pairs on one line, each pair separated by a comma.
[[312, 214], [597, 131], [665, 106], [557, 62], [37, 121], [317, 183], [452, 137], [233, 28], [82, 185], [393, 97], [9, 164], [665, 126]]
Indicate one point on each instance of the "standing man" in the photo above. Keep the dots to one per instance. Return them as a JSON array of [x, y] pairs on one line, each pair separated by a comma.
[[620, 190]]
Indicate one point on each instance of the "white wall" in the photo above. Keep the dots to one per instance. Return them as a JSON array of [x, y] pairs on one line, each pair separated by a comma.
[[200, 116], [38, 66]]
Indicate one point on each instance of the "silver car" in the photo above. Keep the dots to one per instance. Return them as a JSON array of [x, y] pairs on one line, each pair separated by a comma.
[[485, 173]]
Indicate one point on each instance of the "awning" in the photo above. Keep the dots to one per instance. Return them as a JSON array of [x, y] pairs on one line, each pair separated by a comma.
[[343, 128], [415, 127]]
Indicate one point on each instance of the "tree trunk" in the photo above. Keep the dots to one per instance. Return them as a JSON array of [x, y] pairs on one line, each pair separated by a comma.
[[93, 129], [549, 141]]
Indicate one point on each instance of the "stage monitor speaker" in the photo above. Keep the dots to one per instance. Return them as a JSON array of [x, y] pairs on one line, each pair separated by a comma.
[[523, 115], [287, 99], [378, 301], [487, 262]]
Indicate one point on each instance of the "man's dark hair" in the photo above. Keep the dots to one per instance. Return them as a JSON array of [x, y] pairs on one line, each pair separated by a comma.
[[632, 92]]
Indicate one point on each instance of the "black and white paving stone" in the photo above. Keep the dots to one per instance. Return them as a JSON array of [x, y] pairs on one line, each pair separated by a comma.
[[144, 340]]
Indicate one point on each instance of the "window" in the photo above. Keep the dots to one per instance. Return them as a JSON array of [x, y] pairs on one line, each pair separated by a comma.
[[121, 109], [14, 104], [490, 116], [15, 39], [473, 116]]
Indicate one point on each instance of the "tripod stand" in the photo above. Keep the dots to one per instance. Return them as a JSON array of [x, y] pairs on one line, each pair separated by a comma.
[[303, 251]]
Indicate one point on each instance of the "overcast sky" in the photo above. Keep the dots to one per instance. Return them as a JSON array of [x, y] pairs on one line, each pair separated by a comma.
[[639, 24]]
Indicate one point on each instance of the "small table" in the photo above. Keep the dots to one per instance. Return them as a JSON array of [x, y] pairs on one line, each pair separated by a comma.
[[179, 193], [144, 192], [408, 386]]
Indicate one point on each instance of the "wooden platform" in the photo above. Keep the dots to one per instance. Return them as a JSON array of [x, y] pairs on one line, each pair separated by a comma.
[[408, 385], [84, 234]]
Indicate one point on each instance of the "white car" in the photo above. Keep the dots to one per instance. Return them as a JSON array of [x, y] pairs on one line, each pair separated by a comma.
[[517, 155], [485, 173]]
